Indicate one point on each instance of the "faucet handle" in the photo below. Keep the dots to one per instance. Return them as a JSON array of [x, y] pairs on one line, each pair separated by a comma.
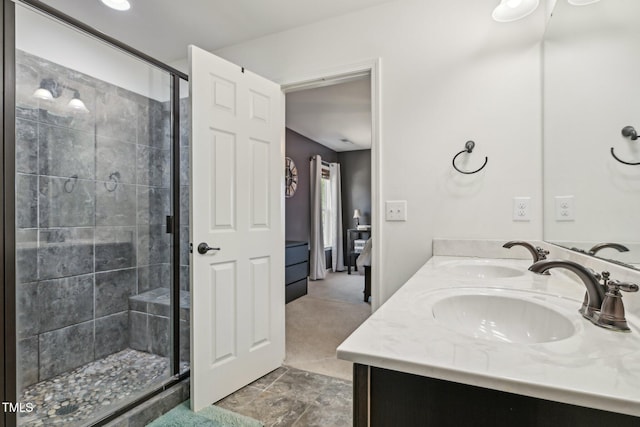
[[542, 253], [605, 277], [611, 315], [615, 286], [597, 275]]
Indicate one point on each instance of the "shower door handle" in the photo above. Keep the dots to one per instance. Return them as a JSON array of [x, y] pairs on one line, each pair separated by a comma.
[[203, 248]]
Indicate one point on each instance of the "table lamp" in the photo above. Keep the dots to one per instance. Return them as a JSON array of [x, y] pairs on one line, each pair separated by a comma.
[[356, 216]]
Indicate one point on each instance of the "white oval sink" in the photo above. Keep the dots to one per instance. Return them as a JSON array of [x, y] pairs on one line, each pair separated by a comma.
[[480, 269], [510, 318]]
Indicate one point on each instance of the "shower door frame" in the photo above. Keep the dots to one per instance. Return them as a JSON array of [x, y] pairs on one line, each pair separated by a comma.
[[8, 324], [7, 214]]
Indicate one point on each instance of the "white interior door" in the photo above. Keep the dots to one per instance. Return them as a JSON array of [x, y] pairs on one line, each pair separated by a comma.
[[237, 198]]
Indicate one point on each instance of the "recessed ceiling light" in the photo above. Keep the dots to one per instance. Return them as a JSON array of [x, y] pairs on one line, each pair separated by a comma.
[[512, 10], [582, 2], [117, 4]]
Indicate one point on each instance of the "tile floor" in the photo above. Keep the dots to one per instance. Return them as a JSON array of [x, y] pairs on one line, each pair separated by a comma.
[[314, 388], [287, 396], [296, 398], [76, 397]]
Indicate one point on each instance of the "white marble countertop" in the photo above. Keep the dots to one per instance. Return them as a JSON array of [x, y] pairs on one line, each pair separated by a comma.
[[595, 367]]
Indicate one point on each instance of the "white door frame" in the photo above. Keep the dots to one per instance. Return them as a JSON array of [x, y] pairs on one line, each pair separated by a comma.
[[343, 74]]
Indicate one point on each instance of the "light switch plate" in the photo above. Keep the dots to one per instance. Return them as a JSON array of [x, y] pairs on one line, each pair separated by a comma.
[[396, 210]]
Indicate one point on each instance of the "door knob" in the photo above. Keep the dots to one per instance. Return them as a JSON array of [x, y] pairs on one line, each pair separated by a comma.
[[203, 248]]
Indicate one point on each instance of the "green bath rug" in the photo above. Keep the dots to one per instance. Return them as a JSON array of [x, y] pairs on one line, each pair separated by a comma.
[[211, 416]]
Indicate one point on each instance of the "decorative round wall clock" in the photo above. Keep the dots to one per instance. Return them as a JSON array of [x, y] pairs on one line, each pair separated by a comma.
[[290, 177]]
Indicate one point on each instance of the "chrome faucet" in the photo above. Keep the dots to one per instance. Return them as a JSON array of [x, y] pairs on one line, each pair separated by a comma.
[[599, 246], [602, 309], [537, 252]]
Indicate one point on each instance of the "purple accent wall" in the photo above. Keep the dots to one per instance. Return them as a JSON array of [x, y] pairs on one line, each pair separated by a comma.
[[356, 185], [356, 189], [300, 149]]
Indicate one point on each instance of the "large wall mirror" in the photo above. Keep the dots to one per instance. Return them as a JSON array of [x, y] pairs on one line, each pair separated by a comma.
[[591, 92]]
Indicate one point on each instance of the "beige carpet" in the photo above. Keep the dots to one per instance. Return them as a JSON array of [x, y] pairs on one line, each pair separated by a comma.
[[318, 322]]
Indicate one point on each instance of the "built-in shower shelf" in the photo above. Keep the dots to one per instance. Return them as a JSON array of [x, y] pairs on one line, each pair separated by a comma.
[[158, 302]]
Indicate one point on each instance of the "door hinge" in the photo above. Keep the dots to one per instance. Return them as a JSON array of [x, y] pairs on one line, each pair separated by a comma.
[[190, 248], [170, 224]]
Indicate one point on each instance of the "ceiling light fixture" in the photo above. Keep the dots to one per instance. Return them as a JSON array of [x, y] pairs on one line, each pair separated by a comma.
[[582, 2], [117, 4], [512, 10]]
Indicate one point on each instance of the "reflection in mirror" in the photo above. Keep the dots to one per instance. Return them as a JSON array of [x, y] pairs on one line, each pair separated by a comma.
[[591, 93]]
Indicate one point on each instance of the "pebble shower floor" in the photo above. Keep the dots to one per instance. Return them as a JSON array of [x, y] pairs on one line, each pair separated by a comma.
[[76, 397]]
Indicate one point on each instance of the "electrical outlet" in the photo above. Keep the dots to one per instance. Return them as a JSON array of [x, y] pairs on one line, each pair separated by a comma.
[[564, 208], [522, 208], [396, 210]]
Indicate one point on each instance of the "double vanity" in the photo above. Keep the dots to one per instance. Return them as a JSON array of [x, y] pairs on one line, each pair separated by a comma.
[[485, 341]]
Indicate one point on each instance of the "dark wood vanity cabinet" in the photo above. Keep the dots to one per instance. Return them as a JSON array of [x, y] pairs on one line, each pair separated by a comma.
[[296, 269], [386, 398]]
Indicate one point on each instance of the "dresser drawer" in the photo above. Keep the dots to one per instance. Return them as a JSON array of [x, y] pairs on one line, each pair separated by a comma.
[[296, 254], [295, 290], [296, 272]]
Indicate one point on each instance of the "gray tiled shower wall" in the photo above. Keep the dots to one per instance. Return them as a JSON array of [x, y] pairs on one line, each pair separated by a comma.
[[93, 191]]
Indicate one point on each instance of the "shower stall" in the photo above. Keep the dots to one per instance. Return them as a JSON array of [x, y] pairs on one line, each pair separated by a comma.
[[101, 175]]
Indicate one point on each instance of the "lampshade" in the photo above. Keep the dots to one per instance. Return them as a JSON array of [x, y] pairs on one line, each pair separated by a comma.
[[48, 90], [582, 2], [76, 104], [42, 93], [117, 4], [512, 10], [356, 213]]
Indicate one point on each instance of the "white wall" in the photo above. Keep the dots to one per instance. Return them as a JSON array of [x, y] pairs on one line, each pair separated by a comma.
[[447, 77], [591, 92], [43, 37]]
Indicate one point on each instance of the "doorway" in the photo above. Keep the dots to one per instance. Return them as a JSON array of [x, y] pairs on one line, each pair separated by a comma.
[[334, 116]]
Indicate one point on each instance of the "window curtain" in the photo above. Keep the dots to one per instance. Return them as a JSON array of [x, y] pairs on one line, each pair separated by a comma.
[[337, 252], [317, 267]]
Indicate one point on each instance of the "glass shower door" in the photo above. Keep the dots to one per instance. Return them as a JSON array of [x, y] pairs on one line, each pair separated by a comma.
[[94, 269]]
